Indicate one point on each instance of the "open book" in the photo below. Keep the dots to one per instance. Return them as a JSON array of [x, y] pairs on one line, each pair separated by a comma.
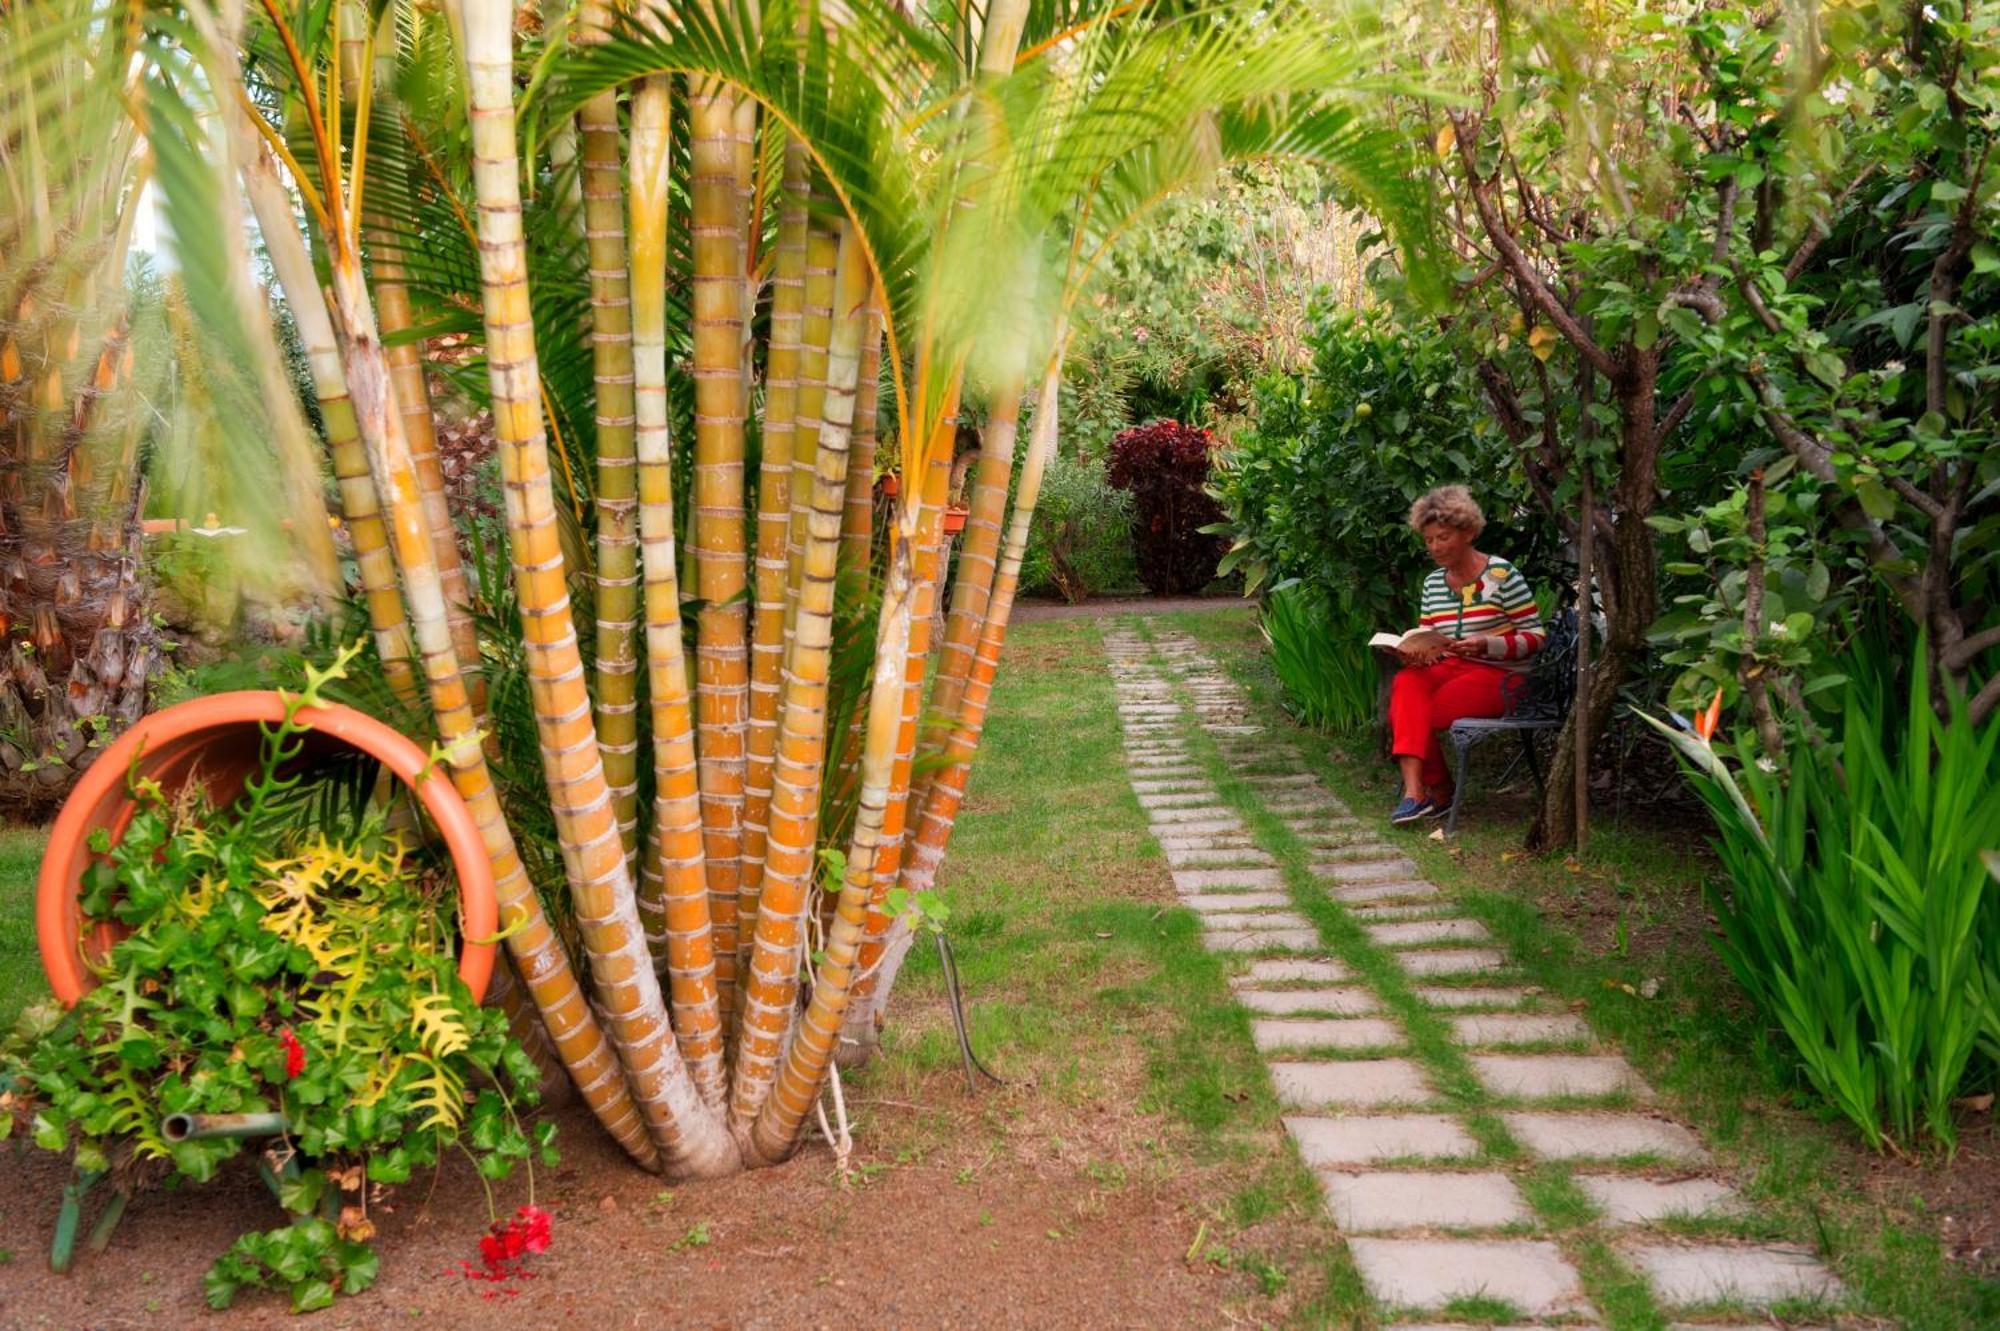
[[1416, 640]]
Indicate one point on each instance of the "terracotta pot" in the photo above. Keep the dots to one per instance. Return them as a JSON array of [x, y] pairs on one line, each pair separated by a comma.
[[954, 520], [216, 741], [892, 485]]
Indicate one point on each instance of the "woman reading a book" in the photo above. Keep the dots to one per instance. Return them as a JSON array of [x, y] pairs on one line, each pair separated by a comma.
[[1478, 627]]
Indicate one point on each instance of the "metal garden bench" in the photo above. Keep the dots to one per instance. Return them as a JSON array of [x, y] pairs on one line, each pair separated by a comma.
[[1538, 699]]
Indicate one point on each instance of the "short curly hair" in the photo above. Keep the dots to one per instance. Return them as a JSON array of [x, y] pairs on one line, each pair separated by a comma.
[[1453, 505]]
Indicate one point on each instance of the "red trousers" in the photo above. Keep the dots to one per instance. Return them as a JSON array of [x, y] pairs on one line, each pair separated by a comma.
[[1424, 700]]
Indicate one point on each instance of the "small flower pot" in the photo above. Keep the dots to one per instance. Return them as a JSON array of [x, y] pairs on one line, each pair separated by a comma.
[[217, 741], [954, 520], [892, 485]]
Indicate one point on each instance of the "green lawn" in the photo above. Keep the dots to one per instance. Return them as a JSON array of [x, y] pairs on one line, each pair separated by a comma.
[[21, 979], [1693, 1038]]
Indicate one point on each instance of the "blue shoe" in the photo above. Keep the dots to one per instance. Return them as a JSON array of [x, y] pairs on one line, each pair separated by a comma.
[[1411, 811]]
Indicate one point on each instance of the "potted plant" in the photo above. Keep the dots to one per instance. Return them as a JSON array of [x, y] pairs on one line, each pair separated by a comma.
[[269, 960]]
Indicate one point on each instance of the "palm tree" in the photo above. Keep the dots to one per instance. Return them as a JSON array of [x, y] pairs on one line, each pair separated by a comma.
[[941, 195]]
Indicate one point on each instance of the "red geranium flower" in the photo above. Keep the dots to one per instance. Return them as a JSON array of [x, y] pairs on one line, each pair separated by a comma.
[[295, 1053]]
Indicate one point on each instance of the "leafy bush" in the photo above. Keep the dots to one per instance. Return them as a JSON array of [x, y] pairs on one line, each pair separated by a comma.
[[1164, 467], [1857, 910], [1322, 660], [1318, 490], [282, 956], [1081, 543]]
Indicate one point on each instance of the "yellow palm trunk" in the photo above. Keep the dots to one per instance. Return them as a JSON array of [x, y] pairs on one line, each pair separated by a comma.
[[406, 363], [926, 551], [939, 811], [625, 986], [774, 479], [721, 560], [673, 893], [359, 506], [857, 527], [770, 990], [617, 660], [977, 551]]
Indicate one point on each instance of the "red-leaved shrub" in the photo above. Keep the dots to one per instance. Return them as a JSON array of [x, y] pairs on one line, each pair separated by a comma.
[[1164, 466]]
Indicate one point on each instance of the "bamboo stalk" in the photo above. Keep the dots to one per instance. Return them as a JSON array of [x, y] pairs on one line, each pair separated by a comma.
[[673, 895], [688, 1135], [720, 554], [770, 996], [617, 603]]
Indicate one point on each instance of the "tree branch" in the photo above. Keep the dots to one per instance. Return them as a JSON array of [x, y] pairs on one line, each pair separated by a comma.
[[1675, 415], [1966, 650], [1466, 128], [1749, 670], [1983, 702]]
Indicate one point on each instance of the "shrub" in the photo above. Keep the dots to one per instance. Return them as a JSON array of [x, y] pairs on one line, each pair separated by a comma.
[[1318, 490], [1081, 543], [1164, 467], [1322, 659], [1857, 908]]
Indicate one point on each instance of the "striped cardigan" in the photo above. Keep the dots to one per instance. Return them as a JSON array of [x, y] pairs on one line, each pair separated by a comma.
[[1498, 605]]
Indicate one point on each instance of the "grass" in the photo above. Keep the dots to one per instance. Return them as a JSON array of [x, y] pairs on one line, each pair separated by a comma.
[[21, 981], [1693, 1039], [1083, 979]]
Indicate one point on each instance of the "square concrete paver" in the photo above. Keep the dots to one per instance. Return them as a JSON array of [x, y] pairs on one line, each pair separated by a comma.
[[1641, 1201], [1260, 940], [1604, 1137], [1547, 1076], [1169, 822], [1174, 785], [1418, 932], [1173, 839], [1472, 996], [1367, 1139], [1411, 1200], [1255, 919], [1202, 859], [1360, 1083], [1330, 850], [1711, 1273], [1209, 903], [1387, 914], [1303, 1034], [1349, 1002], [1401, 889], [1531, 1275], [1225, 880], [1453, 961], [1369, 871], [1505, 1028], [1158, 802], [1283, 970], [1198, 826]]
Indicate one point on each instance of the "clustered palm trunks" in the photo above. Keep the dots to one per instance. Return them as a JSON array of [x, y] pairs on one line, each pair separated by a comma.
[[756, 239]]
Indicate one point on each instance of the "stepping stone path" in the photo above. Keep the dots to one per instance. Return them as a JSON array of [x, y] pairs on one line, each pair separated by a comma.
[[1435, 1218]]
